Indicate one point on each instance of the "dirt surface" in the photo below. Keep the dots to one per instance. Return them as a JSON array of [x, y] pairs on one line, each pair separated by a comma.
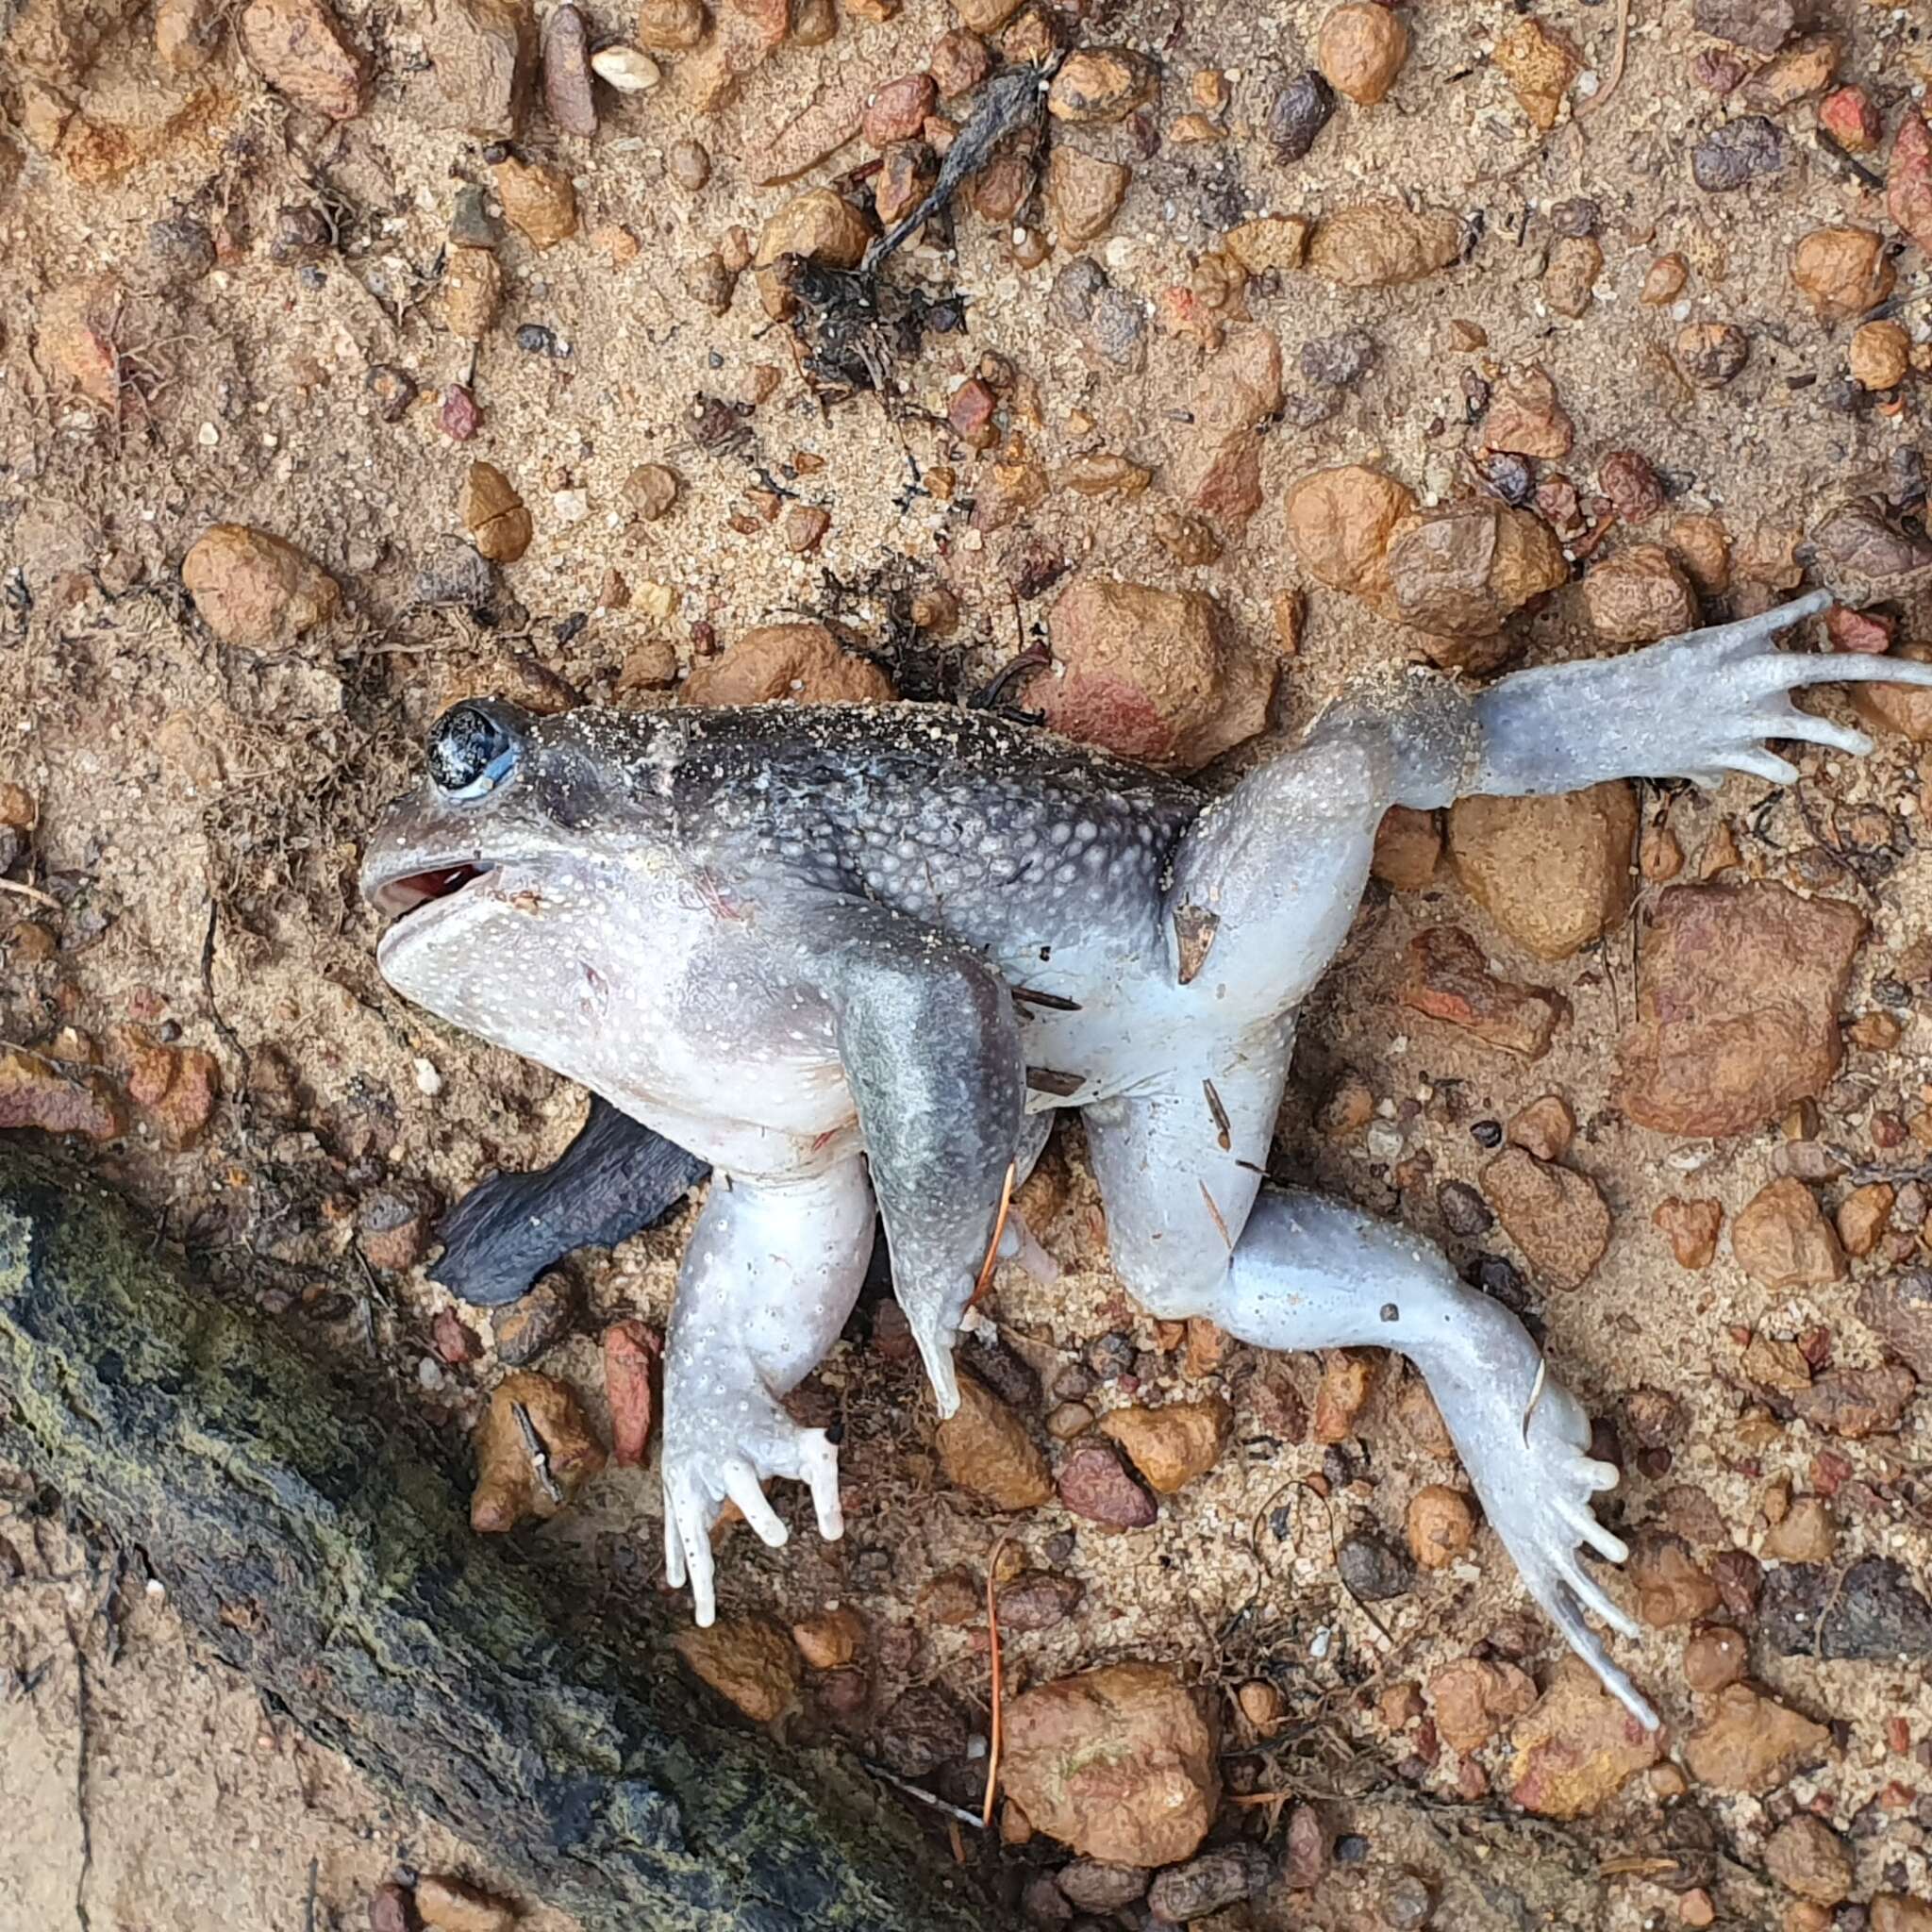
[[199, 808], [145, 1785]]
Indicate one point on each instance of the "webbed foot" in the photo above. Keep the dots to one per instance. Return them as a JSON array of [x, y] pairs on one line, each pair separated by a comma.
[[1736, 686], [1536, 1479], [1693, 707]]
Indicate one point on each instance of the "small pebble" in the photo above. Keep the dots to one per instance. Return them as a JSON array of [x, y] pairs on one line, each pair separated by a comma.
[[689, 164], [629, 70]]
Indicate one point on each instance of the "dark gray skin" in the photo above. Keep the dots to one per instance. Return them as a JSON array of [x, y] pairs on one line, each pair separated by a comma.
[[851, 955]]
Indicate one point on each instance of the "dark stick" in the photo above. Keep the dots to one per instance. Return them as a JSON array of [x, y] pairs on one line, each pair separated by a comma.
[[257, 1481], [1013, 100]]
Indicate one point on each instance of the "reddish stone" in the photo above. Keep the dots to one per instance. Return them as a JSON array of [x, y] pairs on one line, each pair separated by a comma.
[[1448, 980], [899, 109], [1870, 631], [1849, 116], [969, 414], [462, 418], [1909, 184]]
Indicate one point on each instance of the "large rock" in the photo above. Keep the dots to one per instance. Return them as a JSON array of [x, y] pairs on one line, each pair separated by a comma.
[[253, 588], [1460, 572], [484, 54], [1857, 1403], [1575, 1749], [1749, 1742], [1174, 1444], [1737, 997], [1449, 980], [56, 1097], [1639, 595], [984, 1448], [1150, 675], [1806, 1857], [1340, 522], [822, 226], [1554, 1214], [1870, 1613], [1899, 1309], [1118, 1762], [1220, 464], [298, 47], [747, 1661], [1378, 245], [1553, 873], [791, 664], [1782, 1239], [74, 334], [1471, 1699]]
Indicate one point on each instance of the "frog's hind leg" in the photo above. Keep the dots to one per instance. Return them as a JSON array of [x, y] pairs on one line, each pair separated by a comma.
[[771, 1274], [1298, 1272], [1310, 1272], [614, 1179]]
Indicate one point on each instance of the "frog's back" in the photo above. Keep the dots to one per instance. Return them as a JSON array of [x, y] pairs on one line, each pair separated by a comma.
[[987, 827]]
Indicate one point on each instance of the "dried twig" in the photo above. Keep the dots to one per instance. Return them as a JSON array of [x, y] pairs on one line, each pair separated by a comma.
[[1536, 1392], [33, 892], [1214, 1210], [533, 1448], [999, 1228], [994, 1732], [924, 1796]]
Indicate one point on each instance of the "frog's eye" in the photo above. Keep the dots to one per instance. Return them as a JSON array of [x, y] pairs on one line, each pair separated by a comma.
[[472, 751]]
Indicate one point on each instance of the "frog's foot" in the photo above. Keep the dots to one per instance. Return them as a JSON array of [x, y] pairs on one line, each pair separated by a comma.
[[1693, 707], [1736, 687], [725, 1435], [1528, 1460]]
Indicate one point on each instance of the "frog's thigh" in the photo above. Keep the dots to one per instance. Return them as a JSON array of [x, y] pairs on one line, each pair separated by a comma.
[[1178, 1162]]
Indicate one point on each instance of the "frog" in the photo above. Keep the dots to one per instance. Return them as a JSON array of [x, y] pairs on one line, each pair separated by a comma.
[[852, 960]]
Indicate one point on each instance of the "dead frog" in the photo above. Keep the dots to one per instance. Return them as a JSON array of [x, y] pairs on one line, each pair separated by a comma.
[[854, 959]]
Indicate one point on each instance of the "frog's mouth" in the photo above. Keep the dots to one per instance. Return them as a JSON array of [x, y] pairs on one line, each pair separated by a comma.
[[409, 892]]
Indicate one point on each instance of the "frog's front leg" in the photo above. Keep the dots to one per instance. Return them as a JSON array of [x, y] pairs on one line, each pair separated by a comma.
[[770, 1276], [930, 1048]]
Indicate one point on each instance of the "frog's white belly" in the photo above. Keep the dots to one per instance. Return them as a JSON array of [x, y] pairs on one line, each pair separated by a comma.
[[666, 998]]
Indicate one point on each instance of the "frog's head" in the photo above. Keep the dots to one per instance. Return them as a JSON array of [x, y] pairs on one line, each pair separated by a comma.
[[515, 833]]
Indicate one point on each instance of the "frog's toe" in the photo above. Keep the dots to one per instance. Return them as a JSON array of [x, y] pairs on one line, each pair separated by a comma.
[[818, 1467], [688, 1519], [742, 1486], [935, 1343]]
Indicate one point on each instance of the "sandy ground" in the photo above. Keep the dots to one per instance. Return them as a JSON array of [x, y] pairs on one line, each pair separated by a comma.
[[188, 789]]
